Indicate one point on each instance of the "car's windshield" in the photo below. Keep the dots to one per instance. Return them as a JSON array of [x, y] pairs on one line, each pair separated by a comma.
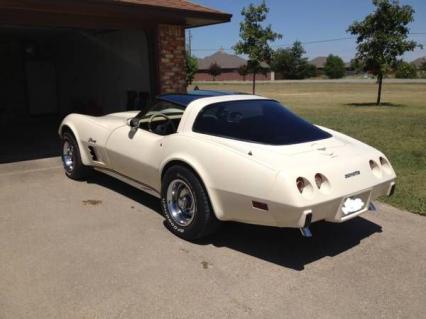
[[259, 121], [164, 107]]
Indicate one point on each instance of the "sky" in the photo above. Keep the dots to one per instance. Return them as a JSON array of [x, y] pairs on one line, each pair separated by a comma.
[[304, 20]]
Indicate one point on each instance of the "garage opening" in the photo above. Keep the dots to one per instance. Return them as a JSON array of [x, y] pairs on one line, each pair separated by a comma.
[[46, 73]]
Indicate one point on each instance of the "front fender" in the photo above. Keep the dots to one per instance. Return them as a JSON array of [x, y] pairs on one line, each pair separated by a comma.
[[69, 122]]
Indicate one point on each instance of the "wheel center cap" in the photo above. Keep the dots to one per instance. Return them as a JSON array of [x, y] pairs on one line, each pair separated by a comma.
[[184, 202]]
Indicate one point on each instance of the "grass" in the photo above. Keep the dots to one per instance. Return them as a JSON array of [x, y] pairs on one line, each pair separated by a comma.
[[397, 128]]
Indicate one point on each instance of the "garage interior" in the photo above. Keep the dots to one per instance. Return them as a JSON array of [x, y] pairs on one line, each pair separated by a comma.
[[86, 56], [47, 73]]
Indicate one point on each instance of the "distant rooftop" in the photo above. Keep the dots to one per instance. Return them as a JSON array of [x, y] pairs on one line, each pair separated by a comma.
[[418, 62], [319, 62], [224, 60]]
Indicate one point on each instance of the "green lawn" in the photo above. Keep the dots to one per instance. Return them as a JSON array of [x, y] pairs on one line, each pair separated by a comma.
[[398, 129]]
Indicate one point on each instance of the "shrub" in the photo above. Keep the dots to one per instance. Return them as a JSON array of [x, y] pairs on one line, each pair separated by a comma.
[[334, 67], [215, 70], [406, 71]]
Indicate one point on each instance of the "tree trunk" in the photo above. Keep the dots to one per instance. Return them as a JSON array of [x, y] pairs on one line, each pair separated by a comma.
[[254, 83], [379, 92]]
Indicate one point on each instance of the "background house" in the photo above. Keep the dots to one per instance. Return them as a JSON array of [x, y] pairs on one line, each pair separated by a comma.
[[229, 64], [419, 61], [92, 56], [319, 63]]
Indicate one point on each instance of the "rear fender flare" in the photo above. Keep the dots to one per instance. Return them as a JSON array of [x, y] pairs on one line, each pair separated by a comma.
[[202, 174]]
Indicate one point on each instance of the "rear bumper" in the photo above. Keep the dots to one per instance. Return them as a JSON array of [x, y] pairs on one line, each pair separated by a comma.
[[288, 216]]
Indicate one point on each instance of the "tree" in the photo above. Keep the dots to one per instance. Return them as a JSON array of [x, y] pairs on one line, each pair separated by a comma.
[[291, 63], [334, 67], [255, 38], [406, 71], [215, 70], [243, 71], [422, 70], [423, 66], [382, 38], [310, 71], [191, 67], [357, 66]]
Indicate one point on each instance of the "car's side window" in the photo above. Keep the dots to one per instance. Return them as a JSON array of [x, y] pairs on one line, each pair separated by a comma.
[[259, 121], [227, 119]]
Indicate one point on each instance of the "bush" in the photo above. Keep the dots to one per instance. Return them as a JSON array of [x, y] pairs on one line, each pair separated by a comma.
[[291, 63], [215, 70], [191, 67], [310, 71], [422, 70], [406, 71], [334, 67]]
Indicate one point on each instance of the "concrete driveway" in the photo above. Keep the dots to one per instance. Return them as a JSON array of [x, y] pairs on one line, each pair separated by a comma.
[[98, 249]]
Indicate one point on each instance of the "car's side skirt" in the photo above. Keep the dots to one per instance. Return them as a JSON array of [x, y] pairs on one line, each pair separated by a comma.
[[128, 180]]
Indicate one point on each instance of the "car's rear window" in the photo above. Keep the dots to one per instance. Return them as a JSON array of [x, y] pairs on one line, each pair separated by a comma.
[[259, 121]]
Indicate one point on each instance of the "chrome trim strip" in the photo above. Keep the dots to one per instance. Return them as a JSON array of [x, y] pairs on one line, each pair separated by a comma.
[[130, 181]]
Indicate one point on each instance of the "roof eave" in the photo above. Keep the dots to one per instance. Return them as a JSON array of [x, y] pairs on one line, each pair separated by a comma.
[[223, 19], [206, 18]]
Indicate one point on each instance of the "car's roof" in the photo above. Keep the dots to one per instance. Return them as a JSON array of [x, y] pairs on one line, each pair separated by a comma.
[[184, 99]]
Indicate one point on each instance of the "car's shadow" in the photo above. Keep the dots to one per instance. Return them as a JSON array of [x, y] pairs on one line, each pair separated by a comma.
[[284, 247], [126, 190]]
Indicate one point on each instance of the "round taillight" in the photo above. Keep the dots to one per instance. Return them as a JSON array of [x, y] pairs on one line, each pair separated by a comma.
[[385, 165], [319, 180], [300, 183], [375, 168]]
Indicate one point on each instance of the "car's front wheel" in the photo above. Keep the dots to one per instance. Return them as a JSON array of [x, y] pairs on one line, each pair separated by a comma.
[[71, 158], [186, 205]]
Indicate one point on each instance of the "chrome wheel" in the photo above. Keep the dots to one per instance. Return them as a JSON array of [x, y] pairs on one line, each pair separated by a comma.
[[181, 202], [68, 156]]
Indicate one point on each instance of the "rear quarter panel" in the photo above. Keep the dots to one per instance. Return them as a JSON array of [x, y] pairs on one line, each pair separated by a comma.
[[232, 179]]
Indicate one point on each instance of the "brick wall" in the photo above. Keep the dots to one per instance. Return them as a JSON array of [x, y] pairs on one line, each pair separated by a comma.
[[171, 54]]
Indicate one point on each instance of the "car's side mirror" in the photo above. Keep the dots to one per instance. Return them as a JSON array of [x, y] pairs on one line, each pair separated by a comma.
[[134, 123]]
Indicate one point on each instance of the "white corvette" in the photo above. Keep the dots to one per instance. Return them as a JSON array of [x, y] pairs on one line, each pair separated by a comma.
[[212, 157]]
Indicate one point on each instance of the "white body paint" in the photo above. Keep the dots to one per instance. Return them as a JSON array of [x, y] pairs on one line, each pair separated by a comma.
[[233, 178]]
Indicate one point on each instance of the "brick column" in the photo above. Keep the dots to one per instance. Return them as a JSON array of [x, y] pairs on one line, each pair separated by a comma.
[[171, 58]]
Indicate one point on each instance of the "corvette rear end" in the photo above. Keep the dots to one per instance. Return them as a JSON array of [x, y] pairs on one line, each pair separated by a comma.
[[334, 179], [336, 192]]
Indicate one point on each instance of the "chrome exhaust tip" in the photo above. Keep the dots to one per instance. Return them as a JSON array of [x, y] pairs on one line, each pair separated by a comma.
[[372, 207], [306, 232]]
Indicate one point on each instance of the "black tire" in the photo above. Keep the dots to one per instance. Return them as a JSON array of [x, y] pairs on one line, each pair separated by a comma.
[[204, 221], [78, 171]]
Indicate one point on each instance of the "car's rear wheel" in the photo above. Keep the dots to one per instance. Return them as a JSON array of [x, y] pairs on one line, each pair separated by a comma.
[[71, 158], [186, 205]]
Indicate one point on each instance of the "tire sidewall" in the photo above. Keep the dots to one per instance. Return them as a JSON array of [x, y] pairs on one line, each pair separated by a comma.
[[78, 171], [195, 229]]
